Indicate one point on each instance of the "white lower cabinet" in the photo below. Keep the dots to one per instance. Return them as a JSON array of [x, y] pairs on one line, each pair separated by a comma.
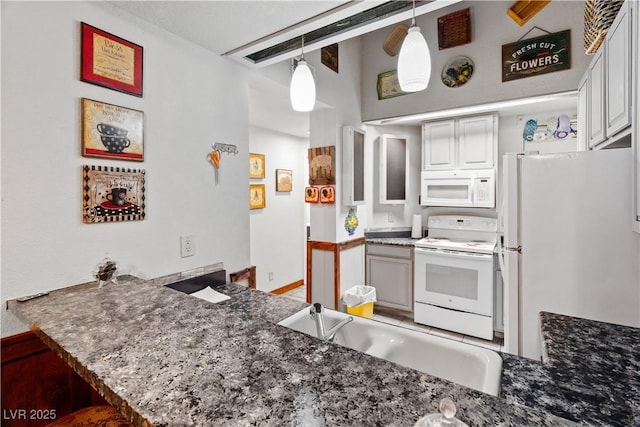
[[389, 269]]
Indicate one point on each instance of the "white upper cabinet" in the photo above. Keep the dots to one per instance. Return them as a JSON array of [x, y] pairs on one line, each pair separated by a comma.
[[609, 85], [353, 167], [394, 173], [617, 73], [464, 143], [439, 153], [583, 100], [595, 103], [476, 142]]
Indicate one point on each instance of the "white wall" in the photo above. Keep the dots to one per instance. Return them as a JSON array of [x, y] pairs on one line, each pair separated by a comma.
[[490, 29], [191, 99], [278, 232]]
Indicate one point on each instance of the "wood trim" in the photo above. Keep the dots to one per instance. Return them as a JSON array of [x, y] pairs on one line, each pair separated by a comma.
[[248, 274], [287, 288], [352, 243], [336, 248]]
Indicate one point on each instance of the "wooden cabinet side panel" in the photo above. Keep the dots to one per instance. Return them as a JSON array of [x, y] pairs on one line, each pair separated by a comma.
[[36, 383]]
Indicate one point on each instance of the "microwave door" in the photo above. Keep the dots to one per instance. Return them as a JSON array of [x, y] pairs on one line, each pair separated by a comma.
[[447, 192]]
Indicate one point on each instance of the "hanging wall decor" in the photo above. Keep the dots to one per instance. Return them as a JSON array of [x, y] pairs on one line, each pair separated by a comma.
[[454, 29], [111, 194], [351, 222], [535, 56], [256, 165], [110, 61], [111, 131], [322, 165], [327, 194], [311, 195], [257, 196], [329, 56], [388, 85], [283, 180], [457, 71]]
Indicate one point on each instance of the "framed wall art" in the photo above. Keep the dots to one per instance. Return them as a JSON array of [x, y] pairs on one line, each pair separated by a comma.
[[257, 196], [256, 165], [110, 61], [283, 180], [111, 131], [322, 165], [329, 56], [111, 194], [388, 85]]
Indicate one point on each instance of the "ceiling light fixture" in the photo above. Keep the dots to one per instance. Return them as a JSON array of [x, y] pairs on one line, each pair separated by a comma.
[[414, 60], [302, 91]]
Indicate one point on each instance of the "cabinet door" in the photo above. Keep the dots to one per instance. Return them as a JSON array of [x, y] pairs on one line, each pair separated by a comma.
[[617, 74], [476, 142], [596, 113], [438, 145], [394, 173], [353, 166], [393, 280], [583, 117]]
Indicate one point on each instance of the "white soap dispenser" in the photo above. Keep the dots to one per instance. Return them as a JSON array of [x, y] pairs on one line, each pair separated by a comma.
[[446, 417]]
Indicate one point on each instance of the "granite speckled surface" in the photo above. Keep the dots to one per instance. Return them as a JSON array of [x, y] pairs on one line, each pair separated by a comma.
[[165, 358], [590, 372], [390, 237]]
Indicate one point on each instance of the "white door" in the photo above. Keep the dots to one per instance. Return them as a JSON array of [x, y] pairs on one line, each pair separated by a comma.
[[438, 145], [476, 142]]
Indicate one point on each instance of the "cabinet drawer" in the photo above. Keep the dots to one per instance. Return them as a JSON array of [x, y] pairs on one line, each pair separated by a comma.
[[389, 250]]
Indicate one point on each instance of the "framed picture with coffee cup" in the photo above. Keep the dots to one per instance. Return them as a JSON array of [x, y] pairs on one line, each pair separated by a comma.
[[111, 194], [110, 61], [111, 131]]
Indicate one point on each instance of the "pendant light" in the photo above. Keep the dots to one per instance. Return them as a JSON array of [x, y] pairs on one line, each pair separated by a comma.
[[414, 60], [302, 91]]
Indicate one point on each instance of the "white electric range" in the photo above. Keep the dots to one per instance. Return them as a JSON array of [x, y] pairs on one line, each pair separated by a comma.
[[453, 275]]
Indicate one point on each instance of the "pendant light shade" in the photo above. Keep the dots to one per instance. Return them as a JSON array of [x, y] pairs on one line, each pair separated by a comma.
[[414, 62], [302, 90]]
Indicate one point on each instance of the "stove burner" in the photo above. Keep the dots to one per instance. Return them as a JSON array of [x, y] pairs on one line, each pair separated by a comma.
[[477, 243], [437, 239]]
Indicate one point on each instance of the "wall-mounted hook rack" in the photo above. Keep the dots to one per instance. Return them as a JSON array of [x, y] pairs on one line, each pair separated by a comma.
[[225, 148]]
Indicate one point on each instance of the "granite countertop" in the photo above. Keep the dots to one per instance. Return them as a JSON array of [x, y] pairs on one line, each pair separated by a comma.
[[590, 372], [390, 237], [165, 358]]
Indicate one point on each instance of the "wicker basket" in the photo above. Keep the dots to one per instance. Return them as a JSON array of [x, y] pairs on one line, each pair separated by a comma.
[[598, 17]]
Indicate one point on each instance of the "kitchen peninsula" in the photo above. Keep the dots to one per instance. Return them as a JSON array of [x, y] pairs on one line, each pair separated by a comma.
[[165, 358]]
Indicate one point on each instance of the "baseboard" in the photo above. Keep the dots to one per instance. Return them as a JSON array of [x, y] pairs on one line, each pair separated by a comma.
[[287, 288]]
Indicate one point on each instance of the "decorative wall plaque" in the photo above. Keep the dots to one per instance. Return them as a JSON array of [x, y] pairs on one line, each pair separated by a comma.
[[539, 55], [112, 194], [322, 165]]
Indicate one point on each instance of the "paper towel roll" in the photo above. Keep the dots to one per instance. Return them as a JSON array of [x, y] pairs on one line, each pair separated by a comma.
[[416, 227]]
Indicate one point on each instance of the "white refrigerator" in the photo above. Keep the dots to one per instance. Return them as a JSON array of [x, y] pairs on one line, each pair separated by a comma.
[[568, 246]]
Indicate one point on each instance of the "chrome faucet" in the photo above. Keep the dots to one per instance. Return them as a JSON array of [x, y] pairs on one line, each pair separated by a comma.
[[316, 311]]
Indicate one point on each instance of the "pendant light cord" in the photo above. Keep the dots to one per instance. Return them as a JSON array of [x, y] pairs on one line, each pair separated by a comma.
[[413, 20], [302, 48]]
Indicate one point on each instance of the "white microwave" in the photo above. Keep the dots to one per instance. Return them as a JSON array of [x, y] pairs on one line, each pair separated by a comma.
[[459, 188]]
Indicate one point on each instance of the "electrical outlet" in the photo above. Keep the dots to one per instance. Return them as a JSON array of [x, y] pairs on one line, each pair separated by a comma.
[[187, 246], [270, 276], [391, 217]]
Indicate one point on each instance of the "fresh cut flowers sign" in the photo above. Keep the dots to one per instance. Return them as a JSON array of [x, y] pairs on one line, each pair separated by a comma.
[[539, 55]]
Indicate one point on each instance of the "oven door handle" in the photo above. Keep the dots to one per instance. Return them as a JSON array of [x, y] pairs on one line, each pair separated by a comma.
[[452, 254]]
